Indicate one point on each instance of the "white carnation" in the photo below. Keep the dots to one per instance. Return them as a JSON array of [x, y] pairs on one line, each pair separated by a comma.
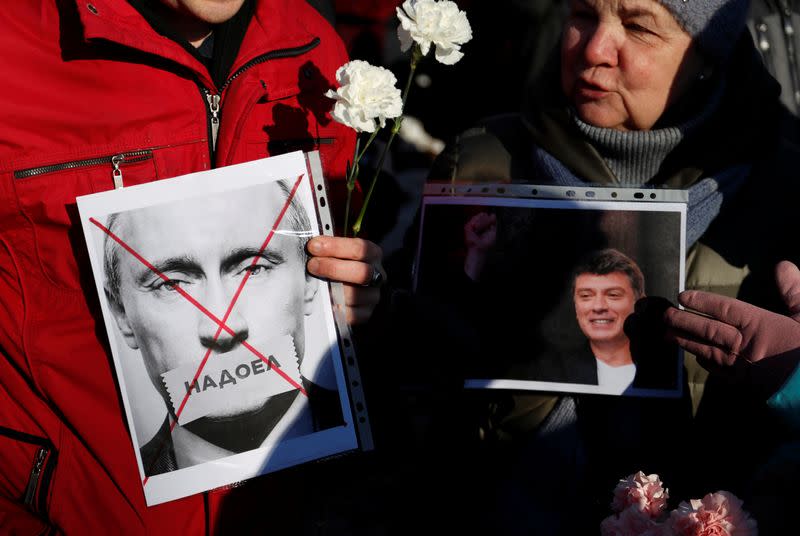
[[428, 22], [366, 97]]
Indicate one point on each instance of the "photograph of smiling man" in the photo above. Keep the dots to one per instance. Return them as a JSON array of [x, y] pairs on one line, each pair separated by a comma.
[[548, 292], [606, 287]]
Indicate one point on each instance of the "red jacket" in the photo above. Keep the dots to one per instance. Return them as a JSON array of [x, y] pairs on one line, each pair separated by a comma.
[[85, 81]]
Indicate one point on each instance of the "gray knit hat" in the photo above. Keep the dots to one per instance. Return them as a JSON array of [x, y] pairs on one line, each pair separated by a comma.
[[715, 25]]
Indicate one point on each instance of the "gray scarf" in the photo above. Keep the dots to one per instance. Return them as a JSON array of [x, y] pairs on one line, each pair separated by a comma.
[[705, 196], [635, 158]]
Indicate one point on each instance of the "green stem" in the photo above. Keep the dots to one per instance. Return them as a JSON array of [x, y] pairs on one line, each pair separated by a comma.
[[357, 224], [350, 183], [369, 142], [416, 55]]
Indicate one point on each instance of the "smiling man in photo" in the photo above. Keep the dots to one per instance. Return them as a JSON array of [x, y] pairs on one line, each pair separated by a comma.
[[605, 286], [605, 290]]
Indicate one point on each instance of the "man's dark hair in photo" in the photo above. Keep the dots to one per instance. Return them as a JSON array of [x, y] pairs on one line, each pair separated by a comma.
[[608, 261]]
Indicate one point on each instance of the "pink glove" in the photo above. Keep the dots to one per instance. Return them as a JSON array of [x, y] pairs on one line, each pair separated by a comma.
[[733, 331]]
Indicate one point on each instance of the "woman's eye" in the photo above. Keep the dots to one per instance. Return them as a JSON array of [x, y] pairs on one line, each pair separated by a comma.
[[637, 28]]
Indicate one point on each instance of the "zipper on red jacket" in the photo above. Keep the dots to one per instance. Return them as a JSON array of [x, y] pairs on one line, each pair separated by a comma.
[[36, 472], [213, 100], [42, 466], [213, 110], [116, 161]]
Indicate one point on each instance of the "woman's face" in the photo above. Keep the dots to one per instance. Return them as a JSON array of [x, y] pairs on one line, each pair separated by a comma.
[[623, 62]]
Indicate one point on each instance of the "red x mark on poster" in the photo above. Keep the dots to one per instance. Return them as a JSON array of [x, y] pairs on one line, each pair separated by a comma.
[[221, 323]]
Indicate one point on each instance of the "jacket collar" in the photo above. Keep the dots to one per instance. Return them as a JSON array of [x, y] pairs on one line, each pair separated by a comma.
[[275, 26]]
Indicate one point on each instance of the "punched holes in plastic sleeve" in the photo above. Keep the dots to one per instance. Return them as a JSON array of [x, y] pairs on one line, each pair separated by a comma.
[[351, 363]]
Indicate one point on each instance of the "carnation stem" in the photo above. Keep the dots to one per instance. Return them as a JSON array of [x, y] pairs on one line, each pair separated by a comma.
[[352, 172], [352, 175], [369, 142], [416, 54], [395, 129]]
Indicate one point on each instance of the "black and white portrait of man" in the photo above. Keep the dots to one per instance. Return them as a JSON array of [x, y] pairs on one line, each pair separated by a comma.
[[180, 301], [231, 358]]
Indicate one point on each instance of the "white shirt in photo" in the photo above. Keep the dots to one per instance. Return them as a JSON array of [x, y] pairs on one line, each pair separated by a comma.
[[614, 380]]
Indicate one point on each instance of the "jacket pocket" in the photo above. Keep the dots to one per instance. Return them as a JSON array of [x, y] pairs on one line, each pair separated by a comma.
[[46, 196], [280, 118], [28, 465]]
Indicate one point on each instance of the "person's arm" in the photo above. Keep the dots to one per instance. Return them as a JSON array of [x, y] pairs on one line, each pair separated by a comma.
[[355, 262], [727, 334]]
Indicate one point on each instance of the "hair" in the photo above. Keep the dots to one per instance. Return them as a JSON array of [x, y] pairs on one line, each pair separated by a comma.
[[608, 261], [296, 218]]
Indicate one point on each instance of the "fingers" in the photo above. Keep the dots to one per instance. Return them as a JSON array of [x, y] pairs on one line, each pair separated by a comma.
[[354, 262], [344, 271], [360, 303], [788, 278], [728, 310], [355, 249], [359, 300], [703, 350], [694, 331]]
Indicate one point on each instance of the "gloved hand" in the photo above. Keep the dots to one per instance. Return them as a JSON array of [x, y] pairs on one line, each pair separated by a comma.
[[728, 332]]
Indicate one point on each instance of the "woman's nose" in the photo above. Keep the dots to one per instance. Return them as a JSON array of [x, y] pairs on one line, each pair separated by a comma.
[[602, 45], [221, 339]]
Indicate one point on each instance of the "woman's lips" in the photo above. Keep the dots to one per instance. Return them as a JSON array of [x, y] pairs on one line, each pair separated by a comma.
[[591, 90]]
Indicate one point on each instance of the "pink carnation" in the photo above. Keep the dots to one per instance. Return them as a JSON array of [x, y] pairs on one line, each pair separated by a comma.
[[631, 522], [643, 492], [716, 514]]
